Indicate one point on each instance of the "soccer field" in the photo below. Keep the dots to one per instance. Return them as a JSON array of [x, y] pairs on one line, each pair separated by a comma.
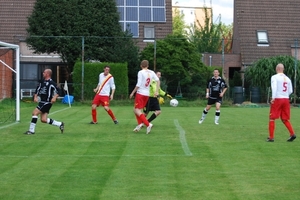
[[179, 159]]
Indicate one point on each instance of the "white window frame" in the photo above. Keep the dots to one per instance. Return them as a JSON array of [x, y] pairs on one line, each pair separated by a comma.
[[262, 38], [149, 33]]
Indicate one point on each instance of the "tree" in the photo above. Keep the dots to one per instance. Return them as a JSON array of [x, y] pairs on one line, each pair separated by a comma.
[[259, 75], [207, 37], [58, 26], [177, 59], [226, 31], [179, 27]]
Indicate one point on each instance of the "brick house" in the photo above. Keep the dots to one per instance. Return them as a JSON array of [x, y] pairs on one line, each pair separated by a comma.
[[265, 28], [6, 75], [148, 21]]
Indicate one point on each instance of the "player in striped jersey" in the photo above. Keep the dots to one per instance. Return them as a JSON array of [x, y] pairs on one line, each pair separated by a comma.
[[104, 93]]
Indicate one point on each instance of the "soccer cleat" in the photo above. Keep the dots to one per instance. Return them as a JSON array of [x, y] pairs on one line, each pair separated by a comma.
[[149, 128], [29, 133], [142, 125], [291, 139], [270, 140], [116, 121], [201, 120], [216, 122], [93, 122], [62, 127], [138, 128]]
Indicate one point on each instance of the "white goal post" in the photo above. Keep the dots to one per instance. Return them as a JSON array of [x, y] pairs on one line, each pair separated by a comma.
[[16, 71]]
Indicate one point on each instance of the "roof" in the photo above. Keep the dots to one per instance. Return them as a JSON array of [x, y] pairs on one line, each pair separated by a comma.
[[13, 23], [279, 18]]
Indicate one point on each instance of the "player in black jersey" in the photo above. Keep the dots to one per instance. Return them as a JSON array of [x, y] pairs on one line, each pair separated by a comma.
[[215, 90], [45, 95]]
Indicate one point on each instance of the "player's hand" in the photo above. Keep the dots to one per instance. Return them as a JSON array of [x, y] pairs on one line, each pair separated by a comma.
[[169, 96], [95, 90], [272, 101], [53, 100]]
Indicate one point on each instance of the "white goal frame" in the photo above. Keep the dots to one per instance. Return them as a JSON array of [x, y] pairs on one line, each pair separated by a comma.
[[17, 72]]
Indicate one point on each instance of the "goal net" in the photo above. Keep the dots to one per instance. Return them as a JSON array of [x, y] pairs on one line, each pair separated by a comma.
[[9, 83]]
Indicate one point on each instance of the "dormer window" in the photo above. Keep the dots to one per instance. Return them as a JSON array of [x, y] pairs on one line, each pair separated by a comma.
[[262, 38]]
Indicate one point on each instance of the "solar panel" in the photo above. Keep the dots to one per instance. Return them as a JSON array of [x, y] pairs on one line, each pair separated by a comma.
[[133, 27], [131, 2], [131, 14], [145, 14], [159, 15]]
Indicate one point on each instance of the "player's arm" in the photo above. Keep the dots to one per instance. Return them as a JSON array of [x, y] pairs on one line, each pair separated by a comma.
[[133, 92], [207, 89], [35, 96], [157, 88], [273, 88], [223, 92], [54, 92], [97, 88]]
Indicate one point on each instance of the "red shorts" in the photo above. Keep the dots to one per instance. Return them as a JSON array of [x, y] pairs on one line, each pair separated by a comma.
[[101, 100], [140, 101], [280, 108]]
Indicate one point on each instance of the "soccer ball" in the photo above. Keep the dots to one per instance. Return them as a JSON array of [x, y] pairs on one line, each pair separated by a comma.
[[174, 102]]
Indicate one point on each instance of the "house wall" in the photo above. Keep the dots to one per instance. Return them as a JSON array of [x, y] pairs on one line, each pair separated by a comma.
[[216, 60], [6, 80], [161, 29]]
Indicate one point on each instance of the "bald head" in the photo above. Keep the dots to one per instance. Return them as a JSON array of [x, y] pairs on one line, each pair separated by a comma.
[[280, 68], [47, 74]]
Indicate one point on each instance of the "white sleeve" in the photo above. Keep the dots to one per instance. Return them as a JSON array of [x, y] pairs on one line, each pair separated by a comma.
[[290, 87], [273, 86], [112, 83], [139, 79]]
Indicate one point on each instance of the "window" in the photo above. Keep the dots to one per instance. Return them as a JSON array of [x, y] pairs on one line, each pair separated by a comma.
[[149, 33], [262, 38], [134, 11]]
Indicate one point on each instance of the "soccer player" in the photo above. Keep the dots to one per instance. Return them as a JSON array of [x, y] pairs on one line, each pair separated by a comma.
[[104, 93], [280, 105], [153, 102], [145, 77], [45, 95], [215, 90]]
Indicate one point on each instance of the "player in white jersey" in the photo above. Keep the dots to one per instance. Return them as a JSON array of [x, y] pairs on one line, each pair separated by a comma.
[[145, 77], [104, 93], [280, 105]]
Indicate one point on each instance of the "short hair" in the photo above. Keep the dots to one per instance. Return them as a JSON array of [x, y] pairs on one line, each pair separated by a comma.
[[106, 66], [49, 71], [145, 63]]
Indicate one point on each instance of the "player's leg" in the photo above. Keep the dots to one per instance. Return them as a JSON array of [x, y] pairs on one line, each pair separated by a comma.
[[44, 118], [205, 111], [110, 112], [274, 114], [217, 114], [285, 117], [95, 104], [33, 122], [154, 106]]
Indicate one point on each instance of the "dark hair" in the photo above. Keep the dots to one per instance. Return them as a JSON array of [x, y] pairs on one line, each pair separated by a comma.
[[106, 66]]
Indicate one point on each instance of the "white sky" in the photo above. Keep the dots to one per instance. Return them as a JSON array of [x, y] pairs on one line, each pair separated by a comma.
[[223, 7]]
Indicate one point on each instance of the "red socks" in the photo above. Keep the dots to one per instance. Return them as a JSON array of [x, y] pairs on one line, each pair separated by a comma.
[[271, 129]]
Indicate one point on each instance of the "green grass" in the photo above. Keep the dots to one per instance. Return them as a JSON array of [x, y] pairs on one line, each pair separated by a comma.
[[180, 159]]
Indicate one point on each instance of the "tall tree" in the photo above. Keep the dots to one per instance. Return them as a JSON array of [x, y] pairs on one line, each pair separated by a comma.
[[207, 37], [227, 33], [179, 26], [58, 26], [177, 59]]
